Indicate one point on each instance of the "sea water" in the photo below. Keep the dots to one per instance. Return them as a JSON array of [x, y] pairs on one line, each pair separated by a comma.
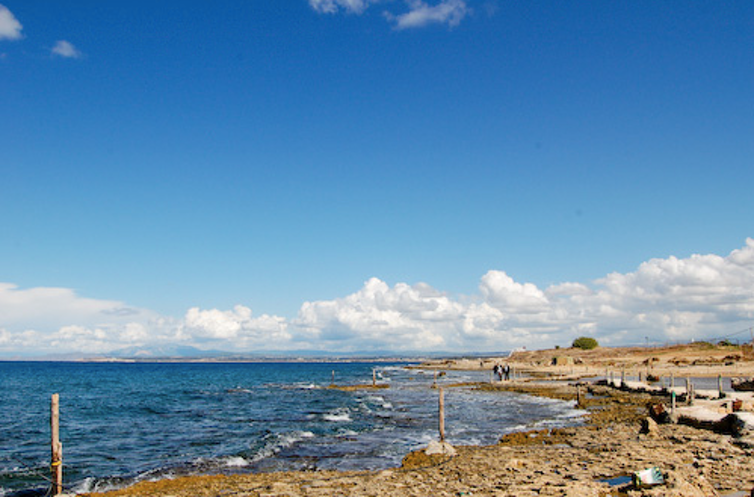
[[126, 422]]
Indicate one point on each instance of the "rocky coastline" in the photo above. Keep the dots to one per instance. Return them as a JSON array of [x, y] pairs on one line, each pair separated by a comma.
[[619, 438]]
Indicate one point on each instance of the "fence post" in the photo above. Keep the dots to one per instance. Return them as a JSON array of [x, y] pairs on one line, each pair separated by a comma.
[[56, 465], [442, 415], [720, 392], [688, 390]]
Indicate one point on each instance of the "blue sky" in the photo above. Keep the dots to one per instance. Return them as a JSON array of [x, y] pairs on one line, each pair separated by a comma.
[[275, 156]]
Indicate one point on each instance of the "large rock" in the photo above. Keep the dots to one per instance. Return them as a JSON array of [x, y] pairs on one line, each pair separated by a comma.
[[440, 448], [649, 427]]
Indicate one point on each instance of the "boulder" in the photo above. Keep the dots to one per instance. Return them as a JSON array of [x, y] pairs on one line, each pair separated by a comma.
[[648, 427], [440, 448]]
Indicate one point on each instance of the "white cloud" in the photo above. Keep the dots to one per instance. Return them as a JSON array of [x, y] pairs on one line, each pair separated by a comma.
[[669, 299], [450, 12], [665, 299], [333, 6], [66, 50], [404, 317], [10, 28], [47, 308], [236, 329], [50, 320], [501, 290]]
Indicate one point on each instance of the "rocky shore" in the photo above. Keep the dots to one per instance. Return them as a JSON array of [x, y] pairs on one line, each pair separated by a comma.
[[598, 458]]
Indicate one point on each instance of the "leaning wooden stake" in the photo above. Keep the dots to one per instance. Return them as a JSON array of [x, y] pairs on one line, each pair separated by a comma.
[[442, 415], [57, 448], [374, 378]]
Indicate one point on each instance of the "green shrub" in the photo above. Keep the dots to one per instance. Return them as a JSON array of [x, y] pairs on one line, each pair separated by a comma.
[[585, 343]]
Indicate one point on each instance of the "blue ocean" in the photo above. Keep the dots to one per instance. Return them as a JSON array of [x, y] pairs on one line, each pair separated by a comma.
[[126, 422]]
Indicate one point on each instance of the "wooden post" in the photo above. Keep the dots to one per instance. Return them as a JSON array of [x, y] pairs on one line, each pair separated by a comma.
[[720, 392], [623, 377], [442, 415], [56, 464], [688, 390], [374, 378]]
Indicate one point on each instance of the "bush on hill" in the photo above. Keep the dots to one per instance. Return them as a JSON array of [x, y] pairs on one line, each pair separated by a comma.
[[585, 343]]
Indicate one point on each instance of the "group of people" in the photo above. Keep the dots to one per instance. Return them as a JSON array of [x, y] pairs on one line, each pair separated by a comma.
[[502, 372]]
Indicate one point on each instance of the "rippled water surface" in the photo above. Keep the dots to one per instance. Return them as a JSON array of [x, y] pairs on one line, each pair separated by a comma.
[[122, 423]]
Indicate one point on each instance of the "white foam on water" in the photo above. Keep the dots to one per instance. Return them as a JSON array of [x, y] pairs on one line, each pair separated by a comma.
[[279, 442], [87, 485], [338, 416], [236, 462]]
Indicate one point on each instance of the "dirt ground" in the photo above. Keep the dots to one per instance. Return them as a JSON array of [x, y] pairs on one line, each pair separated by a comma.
[[695, 359], [595, 459]]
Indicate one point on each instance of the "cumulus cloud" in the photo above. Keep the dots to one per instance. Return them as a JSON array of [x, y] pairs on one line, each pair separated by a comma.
[[670, 299], [10, 28], [46, 308], [236, 328], [48, 319], [664, 299], [66, 50], [450, 12], [403, 317]]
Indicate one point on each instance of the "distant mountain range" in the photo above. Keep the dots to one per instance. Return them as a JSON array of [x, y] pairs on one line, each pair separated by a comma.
[[175, 353]]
